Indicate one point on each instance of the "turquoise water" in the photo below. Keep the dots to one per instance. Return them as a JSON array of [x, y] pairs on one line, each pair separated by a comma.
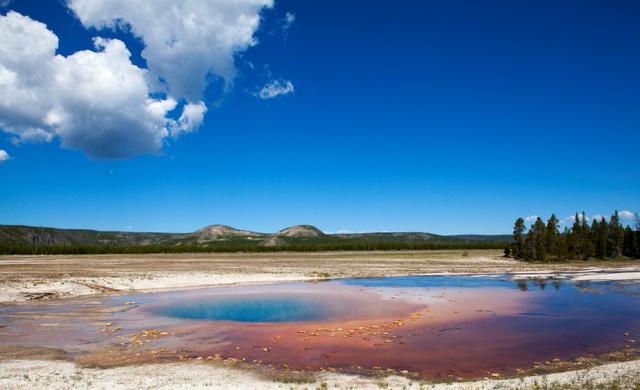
[[249, 309], [571, 302]]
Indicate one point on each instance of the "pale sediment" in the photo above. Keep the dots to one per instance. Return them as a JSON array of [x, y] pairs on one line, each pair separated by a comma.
[[46, 374]]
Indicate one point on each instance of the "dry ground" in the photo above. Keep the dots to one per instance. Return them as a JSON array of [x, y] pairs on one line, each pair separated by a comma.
[[24, 278]]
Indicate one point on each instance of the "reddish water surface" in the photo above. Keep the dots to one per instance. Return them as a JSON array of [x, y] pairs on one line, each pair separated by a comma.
[[434, 327]]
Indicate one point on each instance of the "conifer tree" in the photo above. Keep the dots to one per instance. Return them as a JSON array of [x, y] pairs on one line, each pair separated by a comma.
[[530, 248], [518, 239], [636, 235], [540, 249], [629, 244], [574, 245], [616, 236], [601, 239], [551, 237], [586, 238], [599, 231], [563, 244]]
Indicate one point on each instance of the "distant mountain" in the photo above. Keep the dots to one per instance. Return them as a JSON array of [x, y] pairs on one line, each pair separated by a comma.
[[272, 242], [298, 231], [30, 239], [18, 234], [222, 232]]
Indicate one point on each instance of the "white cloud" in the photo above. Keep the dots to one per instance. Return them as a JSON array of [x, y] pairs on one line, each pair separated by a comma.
[[567, 220], [572, 218], [99, 101], [96, 101], [191, 118], [4, 156], [185, 41], [275, 88], [27, 50], [626, 214], [531, 218], [104, 106], [287, 21]]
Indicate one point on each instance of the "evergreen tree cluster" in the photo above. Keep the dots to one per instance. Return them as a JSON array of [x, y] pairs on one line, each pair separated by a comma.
[[601, 239], [221, 247]]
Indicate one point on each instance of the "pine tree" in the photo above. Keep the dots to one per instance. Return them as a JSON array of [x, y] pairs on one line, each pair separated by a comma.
[[637, 237], [563, 244], [574, 245], [601, 239], [530, 247], [518, 239], [616, 236], [599, 231], [628, 246], [586, 238], [540, 249], [551, 237]]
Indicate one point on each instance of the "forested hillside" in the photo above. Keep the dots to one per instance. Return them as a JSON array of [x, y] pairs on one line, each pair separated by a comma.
[[222, 238]]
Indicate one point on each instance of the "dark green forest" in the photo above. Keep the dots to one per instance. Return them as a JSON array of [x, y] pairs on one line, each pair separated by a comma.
[[231, 246], [602, 239]]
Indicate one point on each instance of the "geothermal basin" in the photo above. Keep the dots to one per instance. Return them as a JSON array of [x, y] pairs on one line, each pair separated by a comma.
[[431, 327]]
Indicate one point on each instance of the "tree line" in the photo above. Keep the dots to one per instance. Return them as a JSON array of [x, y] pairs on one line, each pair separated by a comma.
[[7, 248], [602, 239]]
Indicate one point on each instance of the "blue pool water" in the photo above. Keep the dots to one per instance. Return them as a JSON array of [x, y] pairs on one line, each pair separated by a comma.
[[248, 309], [554, 298]]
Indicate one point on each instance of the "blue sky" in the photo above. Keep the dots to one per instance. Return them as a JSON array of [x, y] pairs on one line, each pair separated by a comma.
[[441, 116]]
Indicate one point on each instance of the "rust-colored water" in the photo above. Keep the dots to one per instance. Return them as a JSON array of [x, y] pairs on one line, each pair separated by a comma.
[[434, 327]]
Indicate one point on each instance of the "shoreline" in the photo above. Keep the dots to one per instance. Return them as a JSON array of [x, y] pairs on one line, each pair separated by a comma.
[[51, 277]]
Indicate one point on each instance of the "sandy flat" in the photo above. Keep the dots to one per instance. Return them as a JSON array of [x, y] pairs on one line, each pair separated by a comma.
[[47, 374]]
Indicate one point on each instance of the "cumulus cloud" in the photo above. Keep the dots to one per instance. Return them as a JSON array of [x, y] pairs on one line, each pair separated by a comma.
[[626, 214], [185, 41], [98, 100], [275, 88], [4, 156], [27, 51], [191, 118], [531, 218]]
